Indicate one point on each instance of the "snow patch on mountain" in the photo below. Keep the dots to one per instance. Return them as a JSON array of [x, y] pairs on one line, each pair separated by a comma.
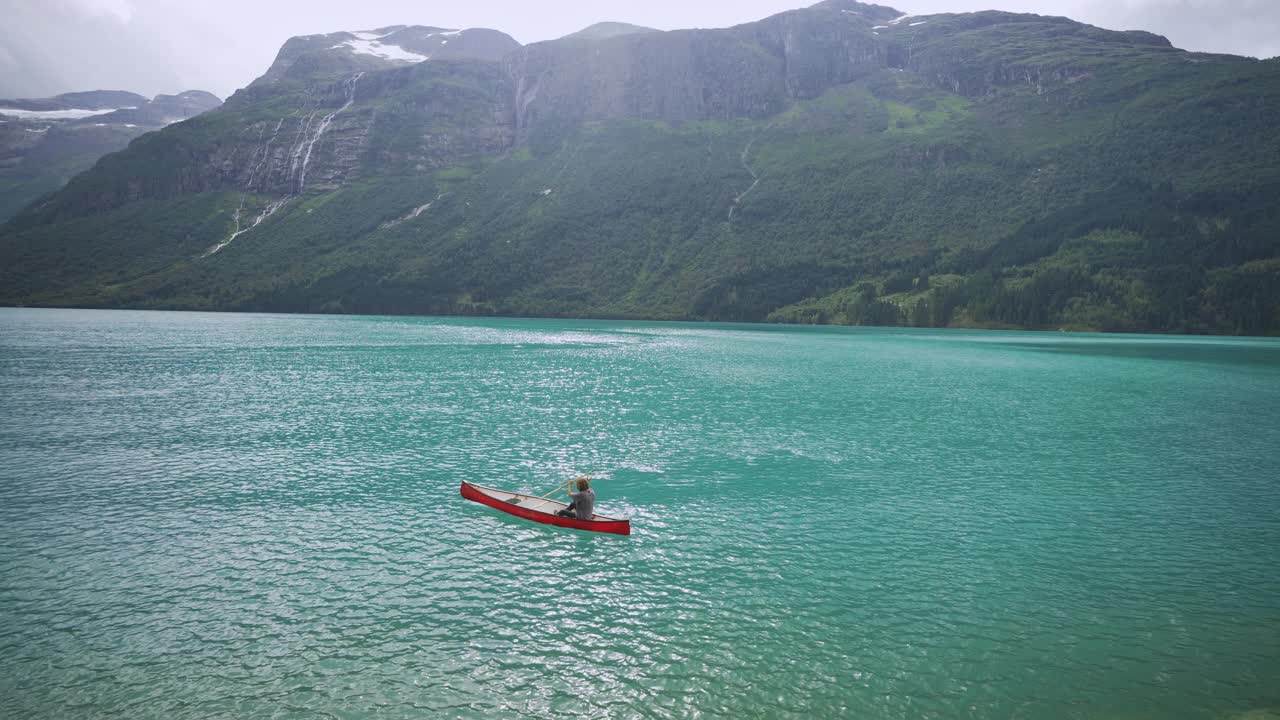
[[366, 43], [72, 114]]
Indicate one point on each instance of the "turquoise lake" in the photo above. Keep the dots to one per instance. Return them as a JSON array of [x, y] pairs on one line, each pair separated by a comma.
[[220, 515]]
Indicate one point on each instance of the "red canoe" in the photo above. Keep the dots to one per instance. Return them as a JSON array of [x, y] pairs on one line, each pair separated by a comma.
[[541, 510]]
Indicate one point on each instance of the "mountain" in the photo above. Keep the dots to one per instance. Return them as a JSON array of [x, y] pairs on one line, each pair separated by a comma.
[[841, 163], [606, 30], [46, 141], [305, 58]]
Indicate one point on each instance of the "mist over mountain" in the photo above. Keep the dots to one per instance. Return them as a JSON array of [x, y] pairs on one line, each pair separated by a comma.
[[842, 163]]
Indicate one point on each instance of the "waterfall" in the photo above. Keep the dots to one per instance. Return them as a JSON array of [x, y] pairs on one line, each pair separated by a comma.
[[300, 158], [746, 151], [412, 214], [324, 125], [262, 159], [299, 142], [267, 212], [263, 156]]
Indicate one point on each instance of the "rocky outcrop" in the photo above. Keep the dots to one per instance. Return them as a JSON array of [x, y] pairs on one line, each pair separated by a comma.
[[409, 120], [975, 54], [827, 45], [748, 71], [673, 76]]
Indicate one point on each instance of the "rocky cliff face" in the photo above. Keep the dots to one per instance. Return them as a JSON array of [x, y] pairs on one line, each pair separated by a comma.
[[749, 71], [674, 76], [412, 119], [829, 44], [975, 54]]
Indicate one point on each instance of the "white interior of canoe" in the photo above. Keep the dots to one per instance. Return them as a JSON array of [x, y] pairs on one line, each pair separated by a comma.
[[530, 502]]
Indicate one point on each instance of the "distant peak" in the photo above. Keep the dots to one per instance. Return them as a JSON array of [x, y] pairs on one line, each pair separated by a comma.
[[867, 10], [193, 95], [605, 30]]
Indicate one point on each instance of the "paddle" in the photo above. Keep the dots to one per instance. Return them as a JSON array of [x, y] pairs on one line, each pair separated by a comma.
[[564, 488], [559, 489], [545, 498]]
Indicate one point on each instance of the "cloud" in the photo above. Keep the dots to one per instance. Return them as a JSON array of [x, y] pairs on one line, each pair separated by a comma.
[[69, 45], [121, 10], [1240, 27]]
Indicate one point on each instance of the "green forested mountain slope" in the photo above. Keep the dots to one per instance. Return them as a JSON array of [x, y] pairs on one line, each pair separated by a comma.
[[838, 164]]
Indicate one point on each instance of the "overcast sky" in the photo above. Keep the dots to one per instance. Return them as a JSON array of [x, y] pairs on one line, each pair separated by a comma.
[[152, 46]]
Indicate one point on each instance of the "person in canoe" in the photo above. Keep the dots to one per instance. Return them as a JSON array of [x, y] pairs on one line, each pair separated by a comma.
[[582, 503]]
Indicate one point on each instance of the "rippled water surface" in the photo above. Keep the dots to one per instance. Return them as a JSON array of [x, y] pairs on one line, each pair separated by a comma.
[[248, 515]]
